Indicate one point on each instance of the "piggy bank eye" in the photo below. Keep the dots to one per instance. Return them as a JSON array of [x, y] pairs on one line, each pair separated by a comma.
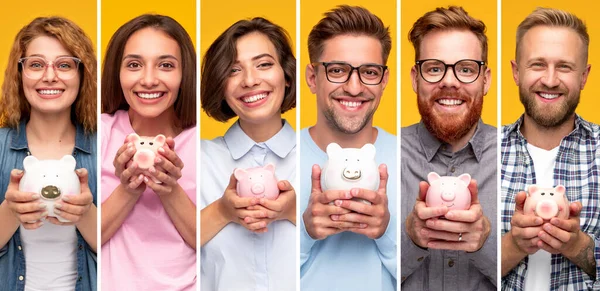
[[56, 176], [141, 142], [454, 183], [551, 194], [543, 193], [44, 176], [346, 160], [151, 143], [358, 160]]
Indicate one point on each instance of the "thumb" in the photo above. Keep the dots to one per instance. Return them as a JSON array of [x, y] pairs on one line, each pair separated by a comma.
[[474, 192], [575, 209], [316, 179], [232, 183], [383, 178], [83, 179], [15, 177], [423, 187], [520, 201], [284, 186]]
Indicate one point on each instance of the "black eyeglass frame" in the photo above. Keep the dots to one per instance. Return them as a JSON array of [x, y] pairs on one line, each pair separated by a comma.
[[419, 64], [352, 68]]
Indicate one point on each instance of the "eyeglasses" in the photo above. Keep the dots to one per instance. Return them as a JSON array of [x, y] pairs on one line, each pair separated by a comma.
[[340, 72], [465, 71], [64, 67]]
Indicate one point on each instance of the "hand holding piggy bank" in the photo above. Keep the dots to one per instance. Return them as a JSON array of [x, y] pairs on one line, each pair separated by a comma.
[[51, 179], [547, 202], [350, 168], [257, 182], [449, 191]]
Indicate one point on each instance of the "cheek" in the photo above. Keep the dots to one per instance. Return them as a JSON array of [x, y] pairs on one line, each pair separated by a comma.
[[127, 80]]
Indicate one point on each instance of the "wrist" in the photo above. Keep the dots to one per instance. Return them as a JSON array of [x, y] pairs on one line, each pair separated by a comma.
[[581, 243]]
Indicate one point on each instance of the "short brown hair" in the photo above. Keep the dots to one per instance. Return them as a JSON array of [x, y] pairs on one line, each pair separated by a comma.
[[451, 18], [112, 93], [222, 54], [348, 20], [14, 105], [555, 18]]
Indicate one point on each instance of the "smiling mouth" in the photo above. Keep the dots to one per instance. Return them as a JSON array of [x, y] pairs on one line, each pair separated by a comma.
[[150, 95], [450, 205], [549, 96], [254, 98], [50, 91], [450, 102]]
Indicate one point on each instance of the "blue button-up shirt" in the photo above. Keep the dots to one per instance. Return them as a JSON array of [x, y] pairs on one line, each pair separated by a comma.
[[13, 150]]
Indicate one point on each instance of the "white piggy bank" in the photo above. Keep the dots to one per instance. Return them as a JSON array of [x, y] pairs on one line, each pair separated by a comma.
[[51, 179], [350, 168]]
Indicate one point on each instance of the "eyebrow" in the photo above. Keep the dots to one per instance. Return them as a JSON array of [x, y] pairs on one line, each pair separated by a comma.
[[560, 61], [258, 57], [162, 57], [44, 57]]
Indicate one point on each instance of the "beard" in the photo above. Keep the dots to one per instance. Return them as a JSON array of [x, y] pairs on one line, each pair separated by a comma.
[[449, 127], [549, 116], [348, 125]]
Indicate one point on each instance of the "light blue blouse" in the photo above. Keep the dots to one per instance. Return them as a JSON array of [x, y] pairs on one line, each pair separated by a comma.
[[236, 258]]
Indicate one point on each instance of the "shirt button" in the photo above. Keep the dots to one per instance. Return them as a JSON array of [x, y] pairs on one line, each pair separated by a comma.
[[79, 278], [451, 263], [403, 278], [19, 247], [419, 259], [81, 247], [21, 278], [452, 170]]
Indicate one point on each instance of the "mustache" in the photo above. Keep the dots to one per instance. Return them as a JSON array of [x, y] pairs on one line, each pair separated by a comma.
[[450, 93], [347, 94], [558, 89]]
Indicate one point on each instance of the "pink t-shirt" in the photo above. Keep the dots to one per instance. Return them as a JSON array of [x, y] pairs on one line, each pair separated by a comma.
[[147, 252]]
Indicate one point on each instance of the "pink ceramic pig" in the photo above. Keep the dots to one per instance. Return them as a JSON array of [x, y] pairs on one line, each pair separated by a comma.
[[146, 149], [257, 182], [547, 202], [449, 191]]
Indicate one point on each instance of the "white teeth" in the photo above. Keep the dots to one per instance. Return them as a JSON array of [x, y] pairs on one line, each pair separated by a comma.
[[149, 95], [450, 102], [549, 96], [50, 92], [254, 98], [352, 104]]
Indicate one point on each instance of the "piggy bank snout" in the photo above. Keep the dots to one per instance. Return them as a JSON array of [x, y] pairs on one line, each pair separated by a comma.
[[546, 209], [50, 192], [258, 188], [448, 195], [351, 173], [144, 158]]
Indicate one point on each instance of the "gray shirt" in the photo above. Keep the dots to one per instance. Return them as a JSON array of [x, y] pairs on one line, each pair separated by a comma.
[[425, 269]]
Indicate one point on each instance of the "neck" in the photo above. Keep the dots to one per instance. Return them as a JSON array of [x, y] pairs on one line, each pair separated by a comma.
[[322, 134], [263, 131], [462, 142], [166, 123], [50, 128], [546, 137]]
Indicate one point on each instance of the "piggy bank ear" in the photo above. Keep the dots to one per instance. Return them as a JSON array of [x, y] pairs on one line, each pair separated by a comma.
[[560, 189], [432, 177], [29, 162], [466, 178], [368, 150], [332, 149], [160, 139], [69, 162], [133, 137], [532, 189], [270, 167], [240, 174]]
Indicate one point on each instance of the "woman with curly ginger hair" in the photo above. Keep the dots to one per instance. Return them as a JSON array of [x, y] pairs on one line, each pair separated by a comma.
[[48, 108]]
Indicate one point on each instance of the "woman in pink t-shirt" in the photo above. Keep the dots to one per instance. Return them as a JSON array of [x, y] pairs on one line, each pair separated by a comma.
[[148, 216]]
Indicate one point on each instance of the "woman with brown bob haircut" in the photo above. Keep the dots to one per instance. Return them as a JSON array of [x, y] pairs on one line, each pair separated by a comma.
[[249, 71], [149, 201], [48, 110]]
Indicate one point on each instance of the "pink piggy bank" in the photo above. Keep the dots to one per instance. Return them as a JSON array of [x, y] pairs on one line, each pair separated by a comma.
[[547, 202], [257, 182], [449, 191], [146, 149]]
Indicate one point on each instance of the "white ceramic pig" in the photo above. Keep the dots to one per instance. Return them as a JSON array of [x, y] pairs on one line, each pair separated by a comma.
[[51, 179], [547, 202], [348, 168]]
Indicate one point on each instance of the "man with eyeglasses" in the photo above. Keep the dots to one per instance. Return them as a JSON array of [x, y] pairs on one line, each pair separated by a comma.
[[445, 248], [347, 244]]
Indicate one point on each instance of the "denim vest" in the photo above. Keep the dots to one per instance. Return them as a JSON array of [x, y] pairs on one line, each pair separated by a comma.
[[13, 149]]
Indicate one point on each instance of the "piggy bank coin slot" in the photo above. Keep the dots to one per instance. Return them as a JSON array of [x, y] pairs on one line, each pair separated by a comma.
[[50, 192]]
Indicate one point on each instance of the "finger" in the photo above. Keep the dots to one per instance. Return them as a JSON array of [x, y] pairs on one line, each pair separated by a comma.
[[15, 179], [128, 173], [243, 202], [424, 212], [575, 209], [33, 225], [133, 184], [449, 226], [274, 205], [443, 235], [526, 233], [474, 191], [561, 235], [423, 187], [171, 156], [85, 198], [55, 221], [383, 178], [346, 224], [33, 216], [256, 225], [371, 196], [82, 173], [284, 186], [124, 157], [158, 188], [316, 179], [167, 167], [22, 197], [520, 201], [69, 208], [471, 215], [353, 217], [356, 206], [126, 145], [446, 245], [549, 240], [243, 213], [249, 219], [232, 183], [165, 179], [331, 195], [170, 142], [521, 220], [70, 217], [544, 246], [27, 207]]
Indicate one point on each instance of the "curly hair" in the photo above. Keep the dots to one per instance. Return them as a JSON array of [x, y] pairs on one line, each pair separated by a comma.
[[14, 105]]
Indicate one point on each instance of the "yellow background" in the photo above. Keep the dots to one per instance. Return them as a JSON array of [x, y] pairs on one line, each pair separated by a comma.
[[215, 19], [115, 13], [311, 11], [514, 11], [411, 11], [18, 14]]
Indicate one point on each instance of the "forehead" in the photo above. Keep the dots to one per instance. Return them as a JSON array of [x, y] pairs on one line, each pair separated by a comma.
[[48, 47], [552, 43], [151, 42], [450, 46], [353, 49], [254, 44]]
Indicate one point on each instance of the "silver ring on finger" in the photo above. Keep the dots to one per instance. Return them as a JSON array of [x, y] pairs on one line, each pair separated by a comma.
[[460, 236]]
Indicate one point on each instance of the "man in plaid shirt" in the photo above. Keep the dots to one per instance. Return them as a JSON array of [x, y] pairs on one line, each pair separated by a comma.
[[551, 145]]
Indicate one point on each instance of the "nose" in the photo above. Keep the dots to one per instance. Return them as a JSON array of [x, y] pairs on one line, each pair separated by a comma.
[[49, 74], [353, 86], [550, 78], [149, 78], [250, 78], [449, 79], [448, 196]]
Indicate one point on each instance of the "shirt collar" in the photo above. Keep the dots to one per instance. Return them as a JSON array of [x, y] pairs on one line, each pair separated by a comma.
[[581, 127], [431, 144], [239, 143], [19, 138]]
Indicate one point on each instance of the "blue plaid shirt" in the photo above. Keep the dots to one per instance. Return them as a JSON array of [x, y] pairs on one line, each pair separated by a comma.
[[577, 167]]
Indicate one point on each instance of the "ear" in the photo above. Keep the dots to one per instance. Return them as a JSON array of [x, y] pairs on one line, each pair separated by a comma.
[[133, 137], [432, 177], [386, 76], [487, 80], [69, 162], [560, 189], [515, 71], [29, 162], [311, 78], [332, 149], [270, 167], [240, 174], [532, 189], [160, 139], [368, 150], [466, 178], [414, 75], [585, 75]]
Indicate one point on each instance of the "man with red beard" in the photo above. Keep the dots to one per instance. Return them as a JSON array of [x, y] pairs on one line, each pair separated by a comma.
[[550, 145], [445, 248]]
